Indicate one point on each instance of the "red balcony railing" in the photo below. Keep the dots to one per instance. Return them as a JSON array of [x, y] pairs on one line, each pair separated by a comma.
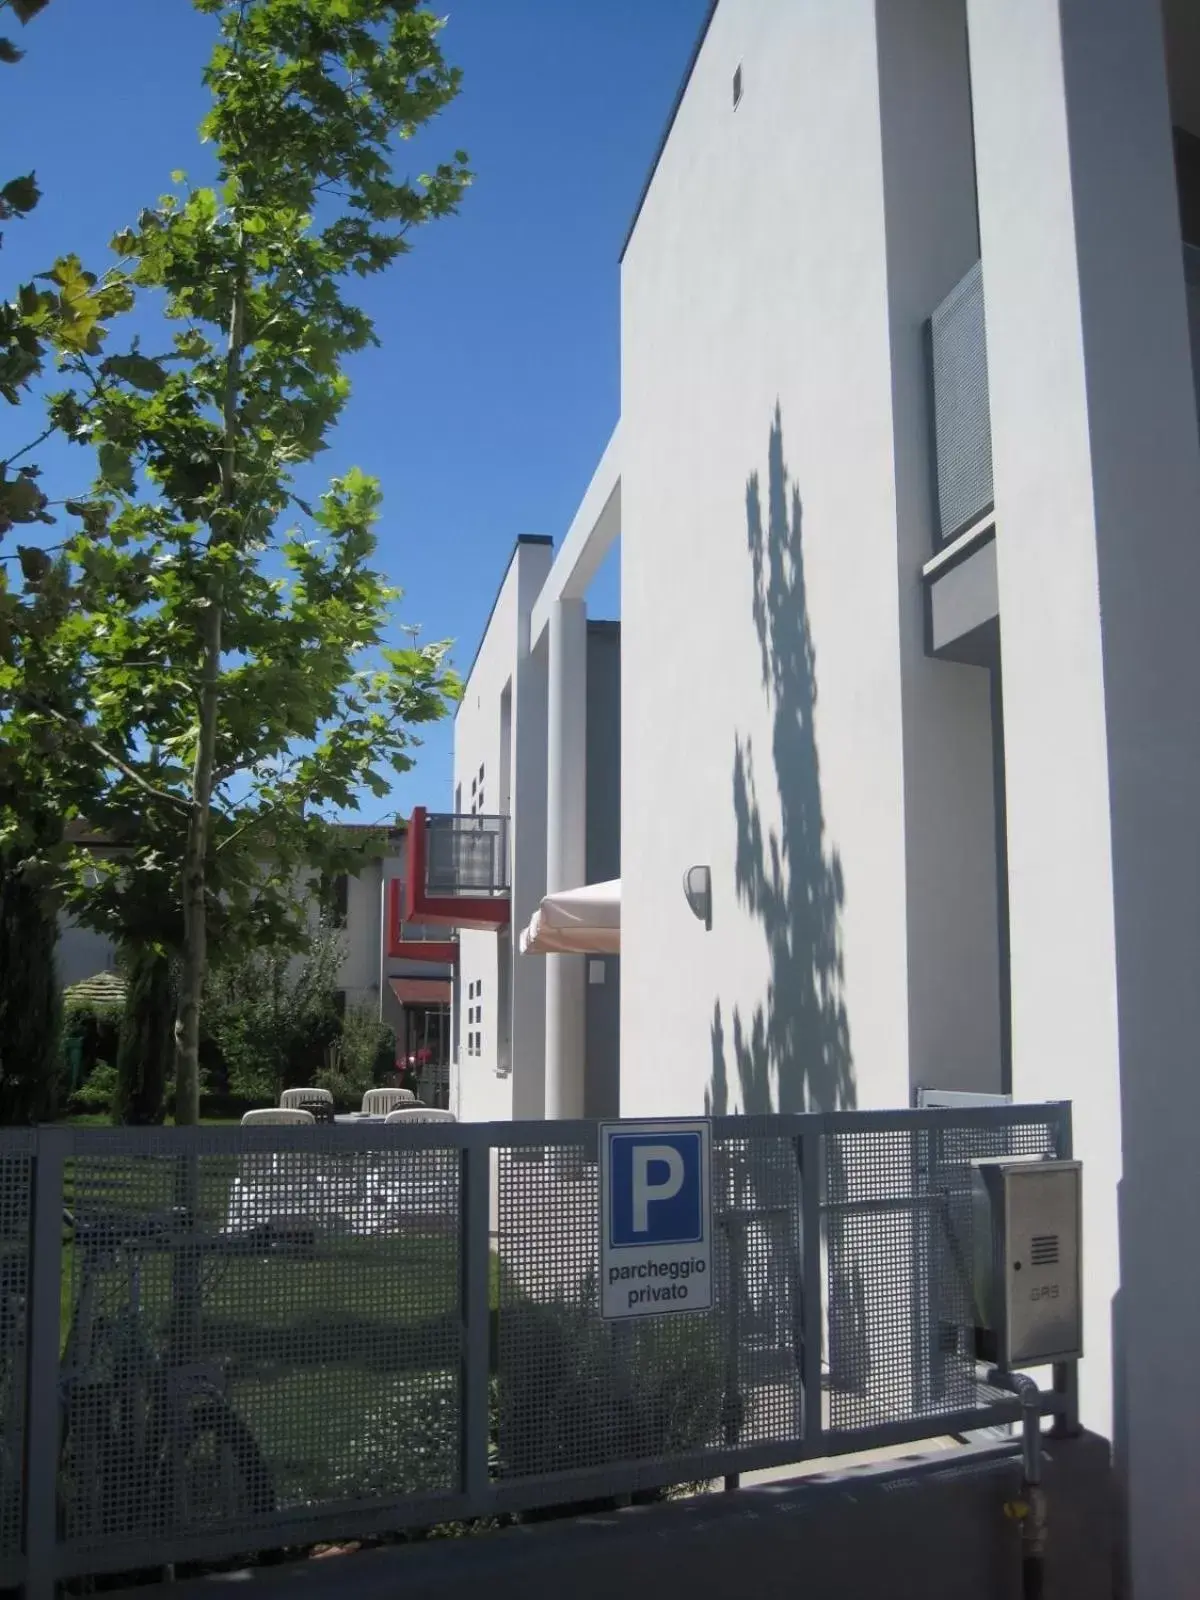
[[409, 941]]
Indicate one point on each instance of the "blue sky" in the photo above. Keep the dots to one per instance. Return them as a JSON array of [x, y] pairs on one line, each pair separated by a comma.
[[496, 386]]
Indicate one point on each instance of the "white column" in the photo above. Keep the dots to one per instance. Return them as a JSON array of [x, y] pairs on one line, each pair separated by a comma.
[[566, 849], [1097, 479]]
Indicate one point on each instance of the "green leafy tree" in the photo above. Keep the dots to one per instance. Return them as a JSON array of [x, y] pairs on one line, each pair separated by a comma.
[[274, 1016], [65, 314], [62, 310], [232, 664]]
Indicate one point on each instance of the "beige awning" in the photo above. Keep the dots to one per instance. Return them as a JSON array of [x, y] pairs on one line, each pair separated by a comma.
[[583, 921]]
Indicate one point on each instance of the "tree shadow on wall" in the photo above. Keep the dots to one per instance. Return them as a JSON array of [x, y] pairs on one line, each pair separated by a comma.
[[793, 1053]]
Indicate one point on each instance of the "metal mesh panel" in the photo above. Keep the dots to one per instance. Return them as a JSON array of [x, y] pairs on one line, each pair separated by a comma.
[[262, 1330], [962, 419], [1191, 268], [297, 1347], [578, 1392], [900, 1311], [757, 1222], [16, 1179], [467, 855]]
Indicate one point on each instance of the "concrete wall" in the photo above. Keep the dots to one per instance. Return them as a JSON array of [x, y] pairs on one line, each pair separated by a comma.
[[602, 991], [505, 694], [916, 1529], [81, 953], [779, 722]]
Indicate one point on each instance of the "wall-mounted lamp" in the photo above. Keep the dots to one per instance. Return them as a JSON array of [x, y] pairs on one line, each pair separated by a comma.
[[697, 889]]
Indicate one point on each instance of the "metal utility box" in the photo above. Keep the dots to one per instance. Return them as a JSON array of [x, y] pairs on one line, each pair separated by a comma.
[[1027, 1227]]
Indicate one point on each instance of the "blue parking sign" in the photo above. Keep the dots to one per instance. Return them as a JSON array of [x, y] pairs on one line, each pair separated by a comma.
[[655, 1218], [655, 1190]]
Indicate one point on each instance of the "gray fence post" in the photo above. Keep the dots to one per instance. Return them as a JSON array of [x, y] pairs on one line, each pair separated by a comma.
[[45, 1333], [812, 1315], [475, 1223], [1066, 1373]]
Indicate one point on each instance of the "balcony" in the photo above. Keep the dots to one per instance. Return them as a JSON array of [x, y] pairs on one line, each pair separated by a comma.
[[415, 941], [458, 874], [961, 596], [962, 427], [958, 375]]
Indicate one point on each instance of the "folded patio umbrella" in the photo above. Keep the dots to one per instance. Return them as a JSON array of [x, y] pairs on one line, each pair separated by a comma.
[[583, 921]]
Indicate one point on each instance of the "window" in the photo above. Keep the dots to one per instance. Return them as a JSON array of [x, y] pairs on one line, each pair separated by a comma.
[[474, 1017], [334, 895]]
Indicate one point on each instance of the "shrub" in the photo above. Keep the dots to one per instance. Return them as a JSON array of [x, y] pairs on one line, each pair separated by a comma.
[[92, 1012], [99, 1092], [578, 1392], [352, 1060], [408, 1440]]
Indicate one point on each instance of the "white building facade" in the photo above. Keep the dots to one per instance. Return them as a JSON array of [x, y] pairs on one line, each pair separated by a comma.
[[907, 485]]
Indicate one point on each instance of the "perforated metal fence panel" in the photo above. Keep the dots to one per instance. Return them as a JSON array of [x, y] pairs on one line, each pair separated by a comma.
[[258, 1337], [577, 1391], [759, 1247], [295, 1347], [961, 410], [574, 1390], [900, 1305], [16, 1244]]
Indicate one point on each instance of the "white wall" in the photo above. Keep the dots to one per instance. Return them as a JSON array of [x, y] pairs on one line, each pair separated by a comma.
[[361, 969], [1097, 470], [488, 1086], [953, 957], [82, 954], [757, 276]]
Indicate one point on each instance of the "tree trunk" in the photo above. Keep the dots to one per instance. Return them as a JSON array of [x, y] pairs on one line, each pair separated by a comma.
[[30, 1003], [195, 883], [195, 860], [144, 1052]]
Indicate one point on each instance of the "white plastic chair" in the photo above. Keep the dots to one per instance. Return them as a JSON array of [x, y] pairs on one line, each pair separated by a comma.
[[262, 1173], [427, 1179], [378, 1102], [277, 1116], [304, 1099]]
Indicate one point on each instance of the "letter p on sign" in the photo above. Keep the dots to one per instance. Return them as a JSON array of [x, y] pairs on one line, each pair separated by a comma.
[[645, 1158], [655, 1182]]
